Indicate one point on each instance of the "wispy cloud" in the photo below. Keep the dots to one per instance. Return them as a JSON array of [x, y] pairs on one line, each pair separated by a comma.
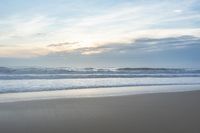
[[62, 44], [19, 26], [123, 23]]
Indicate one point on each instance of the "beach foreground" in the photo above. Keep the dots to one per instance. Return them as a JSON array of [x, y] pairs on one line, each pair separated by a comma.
[[177, 112]]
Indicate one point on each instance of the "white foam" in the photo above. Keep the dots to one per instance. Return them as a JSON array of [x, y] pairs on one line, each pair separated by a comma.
[[7, 86]]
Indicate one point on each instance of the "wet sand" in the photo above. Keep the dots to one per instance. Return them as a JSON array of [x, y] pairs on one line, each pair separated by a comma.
[[177, 112]]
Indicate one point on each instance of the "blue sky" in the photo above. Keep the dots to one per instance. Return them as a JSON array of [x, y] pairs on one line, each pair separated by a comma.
[[100, 33]]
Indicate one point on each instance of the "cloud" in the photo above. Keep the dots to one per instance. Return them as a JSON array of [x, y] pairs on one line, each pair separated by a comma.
[[145, 45], [19, 26], [149, 50], [120, 23], [62, 44], [3, 45], [178, 11], [167, 52], [23, 52]]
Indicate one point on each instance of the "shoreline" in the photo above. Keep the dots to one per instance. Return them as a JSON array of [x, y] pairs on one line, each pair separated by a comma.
[[145, 113], [95, 92]]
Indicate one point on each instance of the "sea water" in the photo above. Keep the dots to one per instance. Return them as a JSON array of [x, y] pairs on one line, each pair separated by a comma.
[[33, 79]]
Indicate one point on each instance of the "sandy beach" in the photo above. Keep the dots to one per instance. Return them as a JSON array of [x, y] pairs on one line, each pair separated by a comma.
[[177, 112]]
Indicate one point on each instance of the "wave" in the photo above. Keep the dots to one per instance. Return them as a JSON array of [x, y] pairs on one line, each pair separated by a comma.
[[66, 70], [72, 73], [85, 76]]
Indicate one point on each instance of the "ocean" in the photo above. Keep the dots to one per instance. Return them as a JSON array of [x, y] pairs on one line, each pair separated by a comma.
[[33, 79]]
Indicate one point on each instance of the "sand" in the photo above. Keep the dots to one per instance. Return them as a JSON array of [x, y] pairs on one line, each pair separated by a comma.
[[177, 112]]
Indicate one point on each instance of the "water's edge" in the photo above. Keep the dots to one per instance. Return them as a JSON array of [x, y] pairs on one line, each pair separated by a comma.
[[95, 92]]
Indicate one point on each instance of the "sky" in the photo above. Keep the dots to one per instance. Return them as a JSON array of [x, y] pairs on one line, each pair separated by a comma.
[[100, 33]]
